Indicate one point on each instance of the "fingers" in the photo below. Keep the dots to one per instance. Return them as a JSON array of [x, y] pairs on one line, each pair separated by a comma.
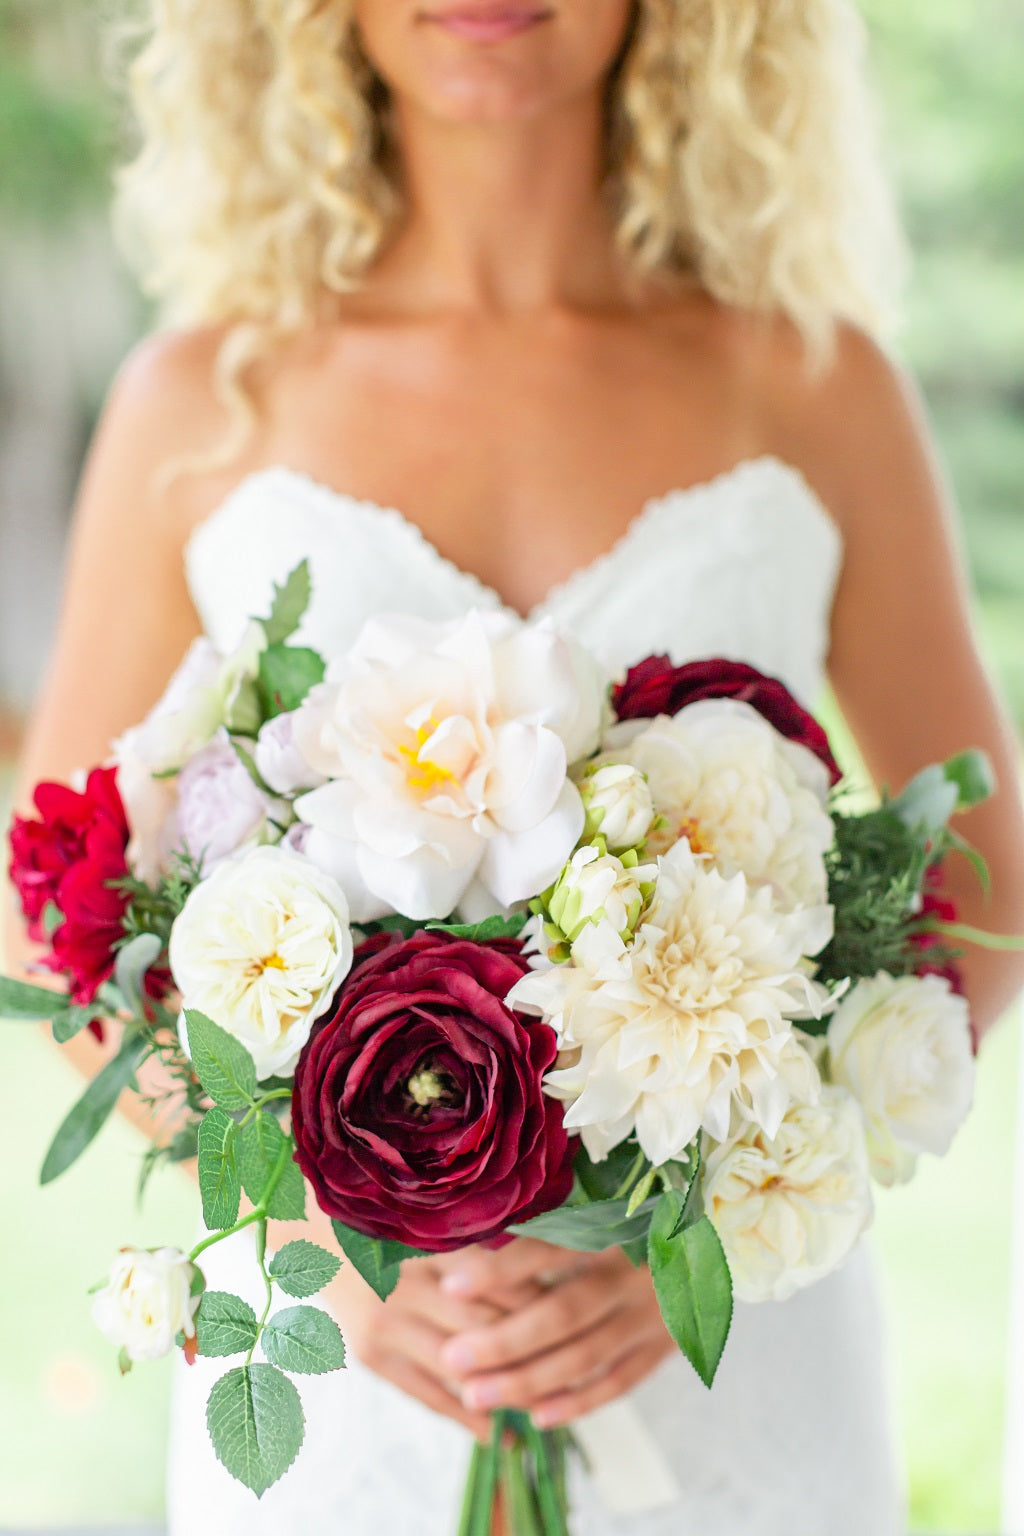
[[554, 1318], [483, 1272], [405, 1374], [626, 1373], [567, 1368]]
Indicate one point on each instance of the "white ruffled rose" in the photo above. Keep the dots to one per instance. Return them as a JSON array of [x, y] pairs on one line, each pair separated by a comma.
[[736, 789], [690, 1029], [261, 947], [902, 1046], [447, 747], [220, 810], [147, 1301], [790, 1208], [618, 803], [207, 691]]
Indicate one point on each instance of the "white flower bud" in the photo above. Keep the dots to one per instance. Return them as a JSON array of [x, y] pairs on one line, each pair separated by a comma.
[[147, 1301], [596, 887], [618, 803]]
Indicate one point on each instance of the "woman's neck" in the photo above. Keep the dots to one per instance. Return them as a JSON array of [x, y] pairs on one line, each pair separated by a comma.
[[503, 218]]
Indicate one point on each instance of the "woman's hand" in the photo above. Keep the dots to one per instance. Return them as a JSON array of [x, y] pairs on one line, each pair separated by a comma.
[[586, 1329], [403, 1339]]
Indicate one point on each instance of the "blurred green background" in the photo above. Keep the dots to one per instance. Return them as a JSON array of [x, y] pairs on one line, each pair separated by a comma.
[[78, 1445]]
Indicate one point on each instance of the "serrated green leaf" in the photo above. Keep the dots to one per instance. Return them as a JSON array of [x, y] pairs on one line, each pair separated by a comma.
[[258, 1148], [589, 1228], [20, 1000], [225, 1324], [302, 1268], [133, 961], [291, 600], [692, 1282], [305, 1340], [219, 1183], [378, 1260], [287, 673], [221, 1063], [93, 1109], [254, 1417], [486, 931]]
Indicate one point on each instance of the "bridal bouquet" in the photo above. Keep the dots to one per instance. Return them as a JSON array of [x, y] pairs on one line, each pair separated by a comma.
[[472, 946]]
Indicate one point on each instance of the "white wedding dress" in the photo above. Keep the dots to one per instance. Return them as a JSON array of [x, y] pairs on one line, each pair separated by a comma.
[[793, 1440]]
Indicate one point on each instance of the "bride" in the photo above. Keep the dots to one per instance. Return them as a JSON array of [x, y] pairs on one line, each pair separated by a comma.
[[520, 269]]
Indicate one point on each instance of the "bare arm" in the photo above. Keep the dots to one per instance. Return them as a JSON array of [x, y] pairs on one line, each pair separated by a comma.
[[904, 662]]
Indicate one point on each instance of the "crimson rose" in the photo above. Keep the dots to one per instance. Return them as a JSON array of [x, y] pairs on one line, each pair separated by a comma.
[[69, 856], [417, 1107], [655, 687]]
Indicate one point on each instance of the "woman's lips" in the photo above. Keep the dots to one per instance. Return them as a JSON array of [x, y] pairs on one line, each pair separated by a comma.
[[488, 23]]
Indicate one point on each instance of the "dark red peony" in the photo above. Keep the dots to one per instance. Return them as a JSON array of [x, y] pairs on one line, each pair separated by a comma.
[[417, 1107], [69, 856], [655, 687]]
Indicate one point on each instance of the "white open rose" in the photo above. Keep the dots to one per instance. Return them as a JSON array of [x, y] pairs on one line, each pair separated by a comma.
[[789, 1208], [736, 789], [147, 1301], [690, 1028], [261, 947], [447, 747], [902, 1046]]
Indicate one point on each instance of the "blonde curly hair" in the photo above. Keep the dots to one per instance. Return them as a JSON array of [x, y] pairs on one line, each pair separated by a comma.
[[740, 151]]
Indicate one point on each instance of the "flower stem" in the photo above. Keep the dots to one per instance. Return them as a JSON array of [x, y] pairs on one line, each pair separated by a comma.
[[258, 1212]]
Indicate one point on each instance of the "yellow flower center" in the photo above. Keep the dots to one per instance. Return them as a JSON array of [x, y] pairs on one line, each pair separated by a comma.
[[690, 828], [426, 1088], [422, 773]]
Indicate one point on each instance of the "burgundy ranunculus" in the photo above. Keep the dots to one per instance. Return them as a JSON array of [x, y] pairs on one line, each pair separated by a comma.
[[69, 856], [655, 687], [417, 1107]]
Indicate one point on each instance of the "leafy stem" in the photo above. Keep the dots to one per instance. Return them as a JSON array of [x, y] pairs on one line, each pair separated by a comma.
[[257, 1214], [261, 1259]]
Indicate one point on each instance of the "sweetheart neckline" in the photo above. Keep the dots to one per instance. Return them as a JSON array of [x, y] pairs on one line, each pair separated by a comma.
[[680, 497]]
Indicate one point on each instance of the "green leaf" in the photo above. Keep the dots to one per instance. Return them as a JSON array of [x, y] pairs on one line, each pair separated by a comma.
[[290, 603], [221, 1063], [928, 801], [254, 1416], [692, 1283], [225, 1324], [133, 961], [973, 775], [94, 1107], [287, 673], [302, 1268], [258, 1148], [72, 1020], [20, 1000], [219, 1183], [305, 1340], [589, 1228], [378, 1260], [248, 762], [484, 932]]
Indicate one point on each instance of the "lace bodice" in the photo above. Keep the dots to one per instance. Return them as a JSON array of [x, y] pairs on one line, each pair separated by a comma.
[[793, 1439], [742, 566]]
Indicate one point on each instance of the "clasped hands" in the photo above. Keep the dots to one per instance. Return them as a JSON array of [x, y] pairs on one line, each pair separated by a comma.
[[525, 1326]]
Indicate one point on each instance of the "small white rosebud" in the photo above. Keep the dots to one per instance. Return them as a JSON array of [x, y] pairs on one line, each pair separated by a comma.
[[618, 804], [147, 1301]]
